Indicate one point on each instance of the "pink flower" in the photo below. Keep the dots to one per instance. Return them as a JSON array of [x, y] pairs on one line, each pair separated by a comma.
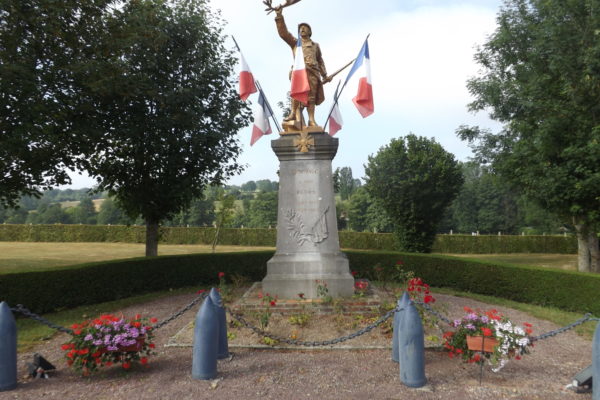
[[221, 275]]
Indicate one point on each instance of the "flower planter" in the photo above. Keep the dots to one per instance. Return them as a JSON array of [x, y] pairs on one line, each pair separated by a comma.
[[134, 347], [481, 343]]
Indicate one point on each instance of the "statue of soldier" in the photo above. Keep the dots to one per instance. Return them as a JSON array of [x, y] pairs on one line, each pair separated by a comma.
[[315, 67]]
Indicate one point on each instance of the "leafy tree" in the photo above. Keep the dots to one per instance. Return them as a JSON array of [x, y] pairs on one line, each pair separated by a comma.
[[263, 210], [44, 47], [415, 180], [111, 214], [365, 214], [265, 185], [84, 212], [49, 214], [224, 214], [249, 186], [541, 80], [485, 203], [167, 109], [344, 183]]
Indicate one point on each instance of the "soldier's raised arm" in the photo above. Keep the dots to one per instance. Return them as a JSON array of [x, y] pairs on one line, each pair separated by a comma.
[[282, 28]]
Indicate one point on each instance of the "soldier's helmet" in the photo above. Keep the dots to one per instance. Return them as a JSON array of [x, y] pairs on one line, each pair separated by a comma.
[[307, 25]]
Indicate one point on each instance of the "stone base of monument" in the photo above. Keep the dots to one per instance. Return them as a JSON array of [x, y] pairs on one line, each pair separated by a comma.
[[251, 302]]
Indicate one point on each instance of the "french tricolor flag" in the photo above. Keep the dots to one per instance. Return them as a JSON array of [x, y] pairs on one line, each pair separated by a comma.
[[247, 86], [261, 120], [300, 86], [364, 98], [335, 117]]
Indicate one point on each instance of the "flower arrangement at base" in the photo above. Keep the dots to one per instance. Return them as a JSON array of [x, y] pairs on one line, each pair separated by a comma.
[[508, 340], [109, 340]]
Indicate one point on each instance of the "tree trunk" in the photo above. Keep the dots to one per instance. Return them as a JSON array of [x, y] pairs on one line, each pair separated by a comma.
[[151, 238], [583, 250], [593, 248]]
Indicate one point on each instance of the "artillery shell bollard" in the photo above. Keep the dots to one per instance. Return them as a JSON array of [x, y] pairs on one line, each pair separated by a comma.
[[223, 347], [596, 364], [8, 349], [411, 348], [402, 303], [206, 338]]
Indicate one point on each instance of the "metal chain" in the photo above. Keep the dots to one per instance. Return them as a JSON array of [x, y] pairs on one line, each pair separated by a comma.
[[180, 312], [21, 309], [586, 318], [437, 314], [330, 342]]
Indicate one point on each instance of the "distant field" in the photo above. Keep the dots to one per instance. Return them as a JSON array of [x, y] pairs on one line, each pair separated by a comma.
[[19, 256], [562, 261]]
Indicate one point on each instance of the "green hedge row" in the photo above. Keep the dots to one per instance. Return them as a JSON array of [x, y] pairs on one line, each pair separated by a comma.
[[44, 291], [93, 283], [452, 244]]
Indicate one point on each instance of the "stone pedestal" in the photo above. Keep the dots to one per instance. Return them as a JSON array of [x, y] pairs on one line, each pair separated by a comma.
[[308, 246]]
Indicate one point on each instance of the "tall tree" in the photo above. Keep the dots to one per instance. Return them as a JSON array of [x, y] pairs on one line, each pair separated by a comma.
[[44, 46], [415, 180], [262, 212], [344, 183], [167, 108], [541, 80]]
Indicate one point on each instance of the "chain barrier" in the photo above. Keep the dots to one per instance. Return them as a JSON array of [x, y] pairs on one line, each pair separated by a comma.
[[584, 319], [180, 312], [296, 342], [26, 312], [21, 309]]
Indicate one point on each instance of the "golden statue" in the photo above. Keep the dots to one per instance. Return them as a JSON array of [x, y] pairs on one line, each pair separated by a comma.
[[315, 68]]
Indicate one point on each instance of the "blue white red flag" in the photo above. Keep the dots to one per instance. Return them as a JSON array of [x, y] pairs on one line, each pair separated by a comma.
[[364, 97], [261, 120], [335, 117], [300, 86], [247, 86]]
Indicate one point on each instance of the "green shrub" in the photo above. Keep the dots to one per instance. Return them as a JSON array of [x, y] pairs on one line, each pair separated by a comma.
[[93, 283], [448, 244]]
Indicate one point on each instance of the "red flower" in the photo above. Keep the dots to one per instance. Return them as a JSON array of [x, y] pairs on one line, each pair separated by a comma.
[[126, 365], [517, 357], [221, 275], [137, 324], [354, 273], [200, 291], [77, 332], [152, 345], [137, 316], [399, 262], [486, 331], [301, 295], [65, 346], [273, 303], [153, 320], [144, 360], [428, 299]]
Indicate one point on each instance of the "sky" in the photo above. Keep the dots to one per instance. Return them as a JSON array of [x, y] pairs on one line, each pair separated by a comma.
[[421, 57]]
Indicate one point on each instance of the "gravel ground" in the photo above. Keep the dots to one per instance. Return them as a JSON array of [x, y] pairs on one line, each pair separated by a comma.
[[323, 374]]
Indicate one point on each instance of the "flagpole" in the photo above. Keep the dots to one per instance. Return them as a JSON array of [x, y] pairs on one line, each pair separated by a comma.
[[236, 44], [268, 106], [342, 89]]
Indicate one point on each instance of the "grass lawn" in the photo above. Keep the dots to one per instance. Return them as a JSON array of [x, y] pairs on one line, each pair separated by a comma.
[[33, 256], [562, 261]]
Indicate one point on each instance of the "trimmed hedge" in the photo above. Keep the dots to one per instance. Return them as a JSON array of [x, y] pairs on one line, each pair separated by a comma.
[[93, 283], [452, 244], [44, 291]]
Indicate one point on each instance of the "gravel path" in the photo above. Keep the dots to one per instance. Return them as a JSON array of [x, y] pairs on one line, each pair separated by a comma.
[[322, 374]]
